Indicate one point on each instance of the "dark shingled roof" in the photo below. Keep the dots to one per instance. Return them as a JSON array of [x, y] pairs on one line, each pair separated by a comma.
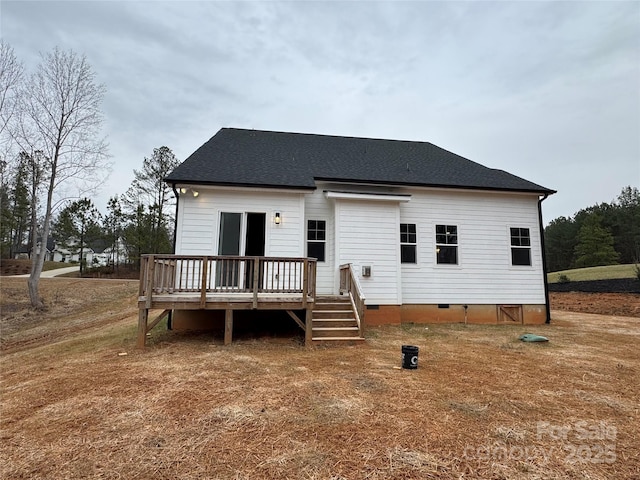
[[295, 160]]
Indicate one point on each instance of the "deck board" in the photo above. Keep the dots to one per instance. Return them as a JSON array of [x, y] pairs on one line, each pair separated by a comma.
[[222, 301]]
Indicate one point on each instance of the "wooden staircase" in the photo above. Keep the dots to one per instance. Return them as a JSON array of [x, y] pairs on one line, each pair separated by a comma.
[[335, 320]]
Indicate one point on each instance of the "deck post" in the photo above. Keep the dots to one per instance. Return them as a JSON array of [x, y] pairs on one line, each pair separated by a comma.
[[305, 282], [256, 280], [149, 280], [228, 326], [143, 314], [144, 264], [203, 286], [308, 330]]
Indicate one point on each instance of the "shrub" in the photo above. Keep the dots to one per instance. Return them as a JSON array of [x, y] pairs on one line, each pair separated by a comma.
[[563, 279]]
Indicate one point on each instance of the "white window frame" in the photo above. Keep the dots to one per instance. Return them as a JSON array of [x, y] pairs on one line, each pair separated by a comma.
[[316, 241], [408, 243], [446, 244], [513, 247]]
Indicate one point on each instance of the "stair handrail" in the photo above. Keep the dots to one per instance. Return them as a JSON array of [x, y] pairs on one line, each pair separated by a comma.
[[355, 310], [349, 283]]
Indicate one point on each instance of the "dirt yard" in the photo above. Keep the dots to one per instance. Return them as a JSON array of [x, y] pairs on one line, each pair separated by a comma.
[[79, 401], [623, 304]]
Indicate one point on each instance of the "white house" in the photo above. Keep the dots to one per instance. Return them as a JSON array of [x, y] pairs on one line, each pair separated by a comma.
[[98, 253], [70, 252], [116, 253], [432, 236]]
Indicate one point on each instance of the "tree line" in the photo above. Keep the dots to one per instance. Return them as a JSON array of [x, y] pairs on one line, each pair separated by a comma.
[[603, 234], [138, 221], [53, 154]]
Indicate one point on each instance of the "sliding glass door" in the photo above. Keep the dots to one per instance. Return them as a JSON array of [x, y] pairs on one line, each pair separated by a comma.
[[239, 232]]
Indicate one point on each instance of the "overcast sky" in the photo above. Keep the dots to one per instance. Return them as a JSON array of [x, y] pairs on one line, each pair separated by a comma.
[[549, 91]]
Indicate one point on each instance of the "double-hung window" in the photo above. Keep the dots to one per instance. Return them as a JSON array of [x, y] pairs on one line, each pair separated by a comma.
[[447, 244], [520, 246], [316, 239], [408, 242]]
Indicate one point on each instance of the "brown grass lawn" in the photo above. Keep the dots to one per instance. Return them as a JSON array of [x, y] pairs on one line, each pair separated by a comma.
[[84, 403]]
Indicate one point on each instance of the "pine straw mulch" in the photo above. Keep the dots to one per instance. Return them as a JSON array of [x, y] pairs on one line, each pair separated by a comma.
[[482, 404]]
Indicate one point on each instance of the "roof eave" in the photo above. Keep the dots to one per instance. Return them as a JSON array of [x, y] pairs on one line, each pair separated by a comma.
[[540, 191], [240, 184]]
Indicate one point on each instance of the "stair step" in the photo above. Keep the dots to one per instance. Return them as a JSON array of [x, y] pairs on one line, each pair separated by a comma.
[[335, 332], [335, 319], [333, 311], [331, 307], [334, 322], [328, 329], [328, 315]]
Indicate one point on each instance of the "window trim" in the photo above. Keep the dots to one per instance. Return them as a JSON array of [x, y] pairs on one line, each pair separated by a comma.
[[408, 243], [513, 247], [447, 244], [315, 240]]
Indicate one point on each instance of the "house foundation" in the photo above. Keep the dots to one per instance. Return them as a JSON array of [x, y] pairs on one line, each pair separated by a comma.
[[396, 315], [501, 314]]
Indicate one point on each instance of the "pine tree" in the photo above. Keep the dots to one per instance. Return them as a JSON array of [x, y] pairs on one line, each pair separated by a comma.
[[113, 228], [77, 226], [15, 205], [595, 244], [149, 196]]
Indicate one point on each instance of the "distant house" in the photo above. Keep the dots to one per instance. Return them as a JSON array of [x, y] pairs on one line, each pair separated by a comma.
[[96, 253], [427, 235], [116, 253], [69, 253], [24, 251], [100, 256]]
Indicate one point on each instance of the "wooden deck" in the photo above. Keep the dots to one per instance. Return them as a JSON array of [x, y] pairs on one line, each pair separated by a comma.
[[182, 282]]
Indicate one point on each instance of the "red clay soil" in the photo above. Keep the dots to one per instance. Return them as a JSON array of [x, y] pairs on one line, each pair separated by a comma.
[[621, 304]]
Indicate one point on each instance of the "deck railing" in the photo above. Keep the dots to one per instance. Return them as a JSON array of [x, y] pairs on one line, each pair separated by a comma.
[[167, 274], [349, 284]]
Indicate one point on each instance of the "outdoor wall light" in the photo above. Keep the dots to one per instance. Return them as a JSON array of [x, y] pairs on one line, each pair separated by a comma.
[[277, 219], [184, 190]]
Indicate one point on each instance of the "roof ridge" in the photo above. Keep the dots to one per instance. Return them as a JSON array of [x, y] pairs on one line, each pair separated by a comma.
[[352, 137]]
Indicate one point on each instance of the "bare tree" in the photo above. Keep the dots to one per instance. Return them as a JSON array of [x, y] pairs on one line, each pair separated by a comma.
[[10, 76], [60, 117]]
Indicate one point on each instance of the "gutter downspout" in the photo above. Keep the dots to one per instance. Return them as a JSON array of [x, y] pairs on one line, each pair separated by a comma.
[[175, 234], [175, 222], [544, 259]]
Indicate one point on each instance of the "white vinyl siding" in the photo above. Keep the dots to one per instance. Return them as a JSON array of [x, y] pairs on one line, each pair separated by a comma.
[[366, 232], [199, 220], [484, 273], [317, 207], [368, 235]]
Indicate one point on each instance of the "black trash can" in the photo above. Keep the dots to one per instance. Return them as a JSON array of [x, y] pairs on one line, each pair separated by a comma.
[[409, 356]]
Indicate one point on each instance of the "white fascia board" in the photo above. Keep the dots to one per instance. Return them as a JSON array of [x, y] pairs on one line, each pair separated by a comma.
[[380, 197], [241, 188]]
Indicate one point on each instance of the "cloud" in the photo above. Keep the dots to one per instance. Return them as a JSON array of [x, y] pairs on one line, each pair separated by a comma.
[[545, 90]]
